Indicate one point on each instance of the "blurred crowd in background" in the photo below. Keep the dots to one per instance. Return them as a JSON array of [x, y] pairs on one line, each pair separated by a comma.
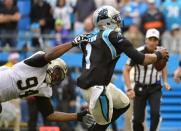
[[46, 23], [32, 25]]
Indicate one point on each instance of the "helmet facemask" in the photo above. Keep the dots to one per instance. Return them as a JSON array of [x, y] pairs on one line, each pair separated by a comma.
[[117, 19], [56, 75], [56, 72]]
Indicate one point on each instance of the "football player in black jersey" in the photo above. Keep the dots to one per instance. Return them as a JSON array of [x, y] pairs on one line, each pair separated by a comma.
[[100, 55]]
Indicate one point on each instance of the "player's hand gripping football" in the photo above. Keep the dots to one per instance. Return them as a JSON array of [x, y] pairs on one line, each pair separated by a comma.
[[162, 58], [162, 53], [79, 39]]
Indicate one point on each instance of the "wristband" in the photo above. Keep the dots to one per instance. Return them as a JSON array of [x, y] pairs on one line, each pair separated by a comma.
[[159, 55], [80, 115], [74, 44]]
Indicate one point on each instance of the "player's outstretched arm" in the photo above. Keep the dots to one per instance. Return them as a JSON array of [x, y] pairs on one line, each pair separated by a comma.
[[123, 45], [45, 107], [161, 53], [62, 48], [65, 117], [143, 59]]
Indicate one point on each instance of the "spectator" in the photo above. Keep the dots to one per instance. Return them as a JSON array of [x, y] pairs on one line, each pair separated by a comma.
[[61, 34], [134, 35], [99, 3], [172, 40], [37, 40], [141, 6], [157, 2], [63, 12], [152, 18], [41, 13], [9, 16], [172, 12], [88, 26], [128, 13], [52, 2], [132, 10], [82, 10]]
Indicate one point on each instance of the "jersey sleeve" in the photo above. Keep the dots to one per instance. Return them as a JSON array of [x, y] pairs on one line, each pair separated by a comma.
[[44, 106], [36, 60], [130, 62], [123, 45]]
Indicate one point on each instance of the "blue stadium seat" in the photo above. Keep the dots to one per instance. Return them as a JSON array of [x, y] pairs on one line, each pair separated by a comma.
[[24, 7], [73, 59], [121, 62], [4, 56], [172, 63], [118, 81], [24, 23]]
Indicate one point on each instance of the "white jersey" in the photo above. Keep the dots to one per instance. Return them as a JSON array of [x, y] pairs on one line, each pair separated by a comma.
[[23, 80]]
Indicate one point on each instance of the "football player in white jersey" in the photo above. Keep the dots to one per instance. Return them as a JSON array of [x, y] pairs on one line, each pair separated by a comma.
[[35, 76]]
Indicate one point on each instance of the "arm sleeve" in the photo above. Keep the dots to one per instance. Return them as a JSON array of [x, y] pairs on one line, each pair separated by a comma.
[[123, 45], [44, 106], [37, 60]]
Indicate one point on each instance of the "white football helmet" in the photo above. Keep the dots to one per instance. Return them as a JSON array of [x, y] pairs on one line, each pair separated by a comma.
[[56, 71], [107, 17]]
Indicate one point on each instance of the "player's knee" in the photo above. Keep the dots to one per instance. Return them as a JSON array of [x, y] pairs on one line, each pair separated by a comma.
[[126, 101]]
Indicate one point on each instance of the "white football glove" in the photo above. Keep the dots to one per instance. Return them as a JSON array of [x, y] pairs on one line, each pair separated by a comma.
[[78, 39]]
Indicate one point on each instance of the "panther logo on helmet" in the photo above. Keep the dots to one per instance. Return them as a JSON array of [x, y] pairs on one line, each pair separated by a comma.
[[107, 17], [102, 15], [56, 71]]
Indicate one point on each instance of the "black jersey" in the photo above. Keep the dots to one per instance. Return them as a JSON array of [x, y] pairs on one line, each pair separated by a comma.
[[100, 56]]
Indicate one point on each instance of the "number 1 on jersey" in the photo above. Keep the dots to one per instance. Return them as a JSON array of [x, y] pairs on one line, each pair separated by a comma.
[[87, 58]]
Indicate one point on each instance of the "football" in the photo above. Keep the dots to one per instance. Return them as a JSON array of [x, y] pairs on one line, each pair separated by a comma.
[[159, 65]]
